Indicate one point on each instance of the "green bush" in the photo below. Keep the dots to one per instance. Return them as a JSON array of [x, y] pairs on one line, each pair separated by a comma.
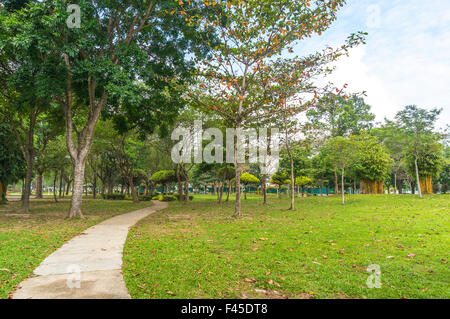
[[115, 196], [156, 197], [168, 198], [146, 198]]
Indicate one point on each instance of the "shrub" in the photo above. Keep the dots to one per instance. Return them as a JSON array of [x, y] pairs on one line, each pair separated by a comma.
[[114, 196], [167, 198], [146, 198], [157, 197]]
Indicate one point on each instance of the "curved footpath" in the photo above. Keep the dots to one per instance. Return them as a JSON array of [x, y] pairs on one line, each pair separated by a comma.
[[87, 266]]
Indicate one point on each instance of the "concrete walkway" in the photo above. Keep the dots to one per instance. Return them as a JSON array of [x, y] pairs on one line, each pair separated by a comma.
[[87, 266]]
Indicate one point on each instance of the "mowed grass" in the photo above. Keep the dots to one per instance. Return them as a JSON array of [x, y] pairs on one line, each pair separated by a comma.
[[25, 240], [321, 250]]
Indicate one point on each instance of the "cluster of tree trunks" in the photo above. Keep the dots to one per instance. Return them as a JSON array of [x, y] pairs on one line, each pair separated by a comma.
[[372, 187], [426, 184]]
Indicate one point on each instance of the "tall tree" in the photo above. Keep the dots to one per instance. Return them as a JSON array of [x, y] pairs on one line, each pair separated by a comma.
[[250, 35], [343, 154], [418, 124]]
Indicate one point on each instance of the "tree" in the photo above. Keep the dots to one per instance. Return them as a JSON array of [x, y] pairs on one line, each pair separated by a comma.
[[341, 116], [250, 39], [27, 76], [226, 175], [126, 55], [248, 179], [426, 161], [12, 164], [343, 154], [374, 164], [164, 178], [395, 141], [280, 179], [418, 125], [302, 181]]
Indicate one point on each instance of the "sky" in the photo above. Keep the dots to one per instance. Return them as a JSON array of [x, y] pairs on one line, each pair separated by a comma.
[[406, 59]]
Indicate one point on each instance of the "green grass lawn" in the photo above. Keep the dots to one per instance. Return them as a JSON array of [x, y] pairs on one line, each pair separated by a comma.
[[321, 250], [25, 240]]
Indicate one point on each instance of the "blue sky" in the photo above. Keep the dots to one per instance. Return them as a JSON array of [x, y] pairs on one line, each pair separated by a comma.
[[406, 59]]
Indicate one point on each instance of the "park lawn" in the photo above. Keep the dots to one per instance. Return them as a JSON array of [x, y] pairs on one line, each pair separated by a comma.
[[25, 240], [321, 250]]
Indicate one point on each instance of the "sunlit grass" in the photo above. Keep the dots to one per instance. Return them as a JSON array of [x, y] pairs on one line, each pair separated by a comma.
[[321, 250]]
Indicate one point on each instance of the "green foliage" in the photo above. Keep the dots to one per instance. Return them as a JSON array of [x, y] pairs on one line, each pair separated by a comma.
[[342, 117], [430, 158], [342, 152], [247, 179], [374, 162], [302, 181], [164, 177], [280, 178], [12, 163]]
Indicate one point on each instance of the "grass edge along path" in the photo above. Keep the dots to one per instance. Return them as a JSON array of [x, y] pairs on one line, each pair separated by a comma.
[[25, 241]]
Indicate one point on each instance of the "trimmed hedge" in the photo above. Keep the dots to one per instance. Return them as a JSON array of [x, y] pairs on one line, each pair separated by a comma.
[[114, 196], [146, 198]]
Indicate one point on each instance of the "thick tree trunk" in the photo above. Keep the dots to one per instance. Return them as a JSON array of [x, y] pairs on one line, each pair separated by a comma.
[[417, 177], [342, 187], [133, 189], [39, 185], [77, 194]]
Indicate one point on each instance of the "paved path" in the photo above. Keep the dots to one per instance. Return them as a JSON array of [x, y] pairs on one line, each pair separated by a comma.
[[96, 253]]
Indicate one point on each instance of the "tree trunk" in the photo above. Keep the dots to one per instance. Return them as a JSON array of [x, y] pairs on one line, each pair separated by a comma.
[[61, 184], [395, 184], [94, 186], [186, 191], [133, 189], [68, 187], [417, 178], [39, 185], [264, 189], [229, 190], [54, 186], [336, 184], [292, 180], [27, 187], [237, 210], [180, 189], [77, 193], [342, 187]]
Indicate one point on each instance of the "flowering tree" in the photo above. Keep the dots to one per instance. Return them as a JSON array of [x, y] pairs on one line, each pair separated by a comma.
[[247, 42]]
